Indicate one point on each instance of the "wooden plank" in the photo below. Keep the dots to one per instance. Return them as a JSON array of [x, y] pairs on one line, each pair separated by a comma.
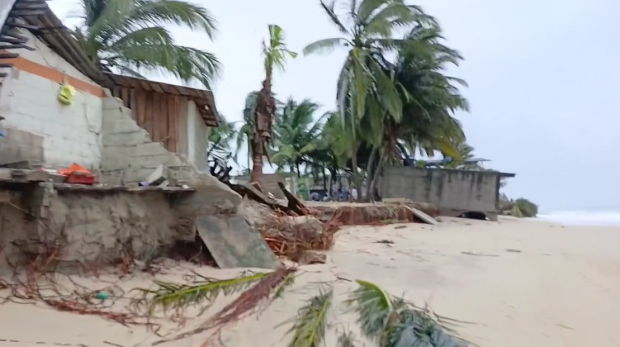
[[157, 117], [132, 103], [141, 101], [148, 113], [125, 97], [116, 91], [172, 123], [182, 145]]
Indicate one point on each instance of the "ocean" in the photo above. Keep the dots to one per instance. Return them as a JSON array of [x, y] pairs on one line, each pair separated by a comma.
[[598, 218]]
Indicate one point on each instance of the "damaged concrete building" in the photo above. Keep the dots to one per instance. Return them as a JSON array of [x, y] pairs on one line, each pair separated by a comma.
[[454, 192], [120, 128]]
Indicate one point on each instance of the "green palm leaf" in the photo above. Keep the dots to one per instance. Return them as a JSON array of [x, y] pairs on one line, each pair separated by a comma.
[[176, 296], [311, 321], [324, 46]]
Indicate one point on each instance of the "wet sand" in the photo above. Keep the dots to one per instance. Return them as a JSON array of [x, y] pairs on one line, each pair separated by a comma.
[[519, 283]]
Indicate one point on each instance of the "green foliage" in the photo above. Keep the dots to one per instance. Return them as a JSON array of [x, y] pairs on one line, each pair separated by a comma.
[[298, 135], [311, 322], [176, 296], [130, 35], [527, 208], [276, 52], [392, 322]]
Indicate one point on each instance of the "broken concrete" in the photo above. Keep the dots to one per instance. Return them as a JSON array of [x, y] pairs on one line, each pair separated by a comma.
[[233, 243]]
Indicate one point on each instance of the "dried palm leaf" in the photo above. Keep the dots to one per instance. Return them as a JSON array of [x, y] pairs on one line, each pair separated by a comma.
[[311, 320]]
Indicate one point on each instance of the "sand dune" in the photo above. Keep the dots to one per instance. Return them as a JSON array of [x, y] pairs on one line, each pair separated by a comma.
[[519, 283]]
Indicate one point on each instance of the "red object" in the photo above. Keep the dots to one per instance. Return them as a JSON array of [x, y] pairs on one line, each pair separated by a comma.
[[81, 178], [77, 174]]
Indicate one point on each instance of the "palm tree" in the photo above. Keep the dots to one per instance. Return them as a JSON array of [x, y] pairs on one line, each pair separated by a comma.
[[129, 35], [373, 23], [275, 54], [298, 134]]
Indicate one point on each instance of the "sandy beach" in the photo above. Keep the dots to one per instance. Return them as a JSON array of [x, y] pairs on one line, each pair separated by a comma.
[[518, 283]]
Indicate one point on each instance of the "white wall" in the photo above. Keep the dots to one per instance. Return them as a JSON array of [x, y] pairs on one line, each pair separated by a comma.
[[30, 103], [197, 133]]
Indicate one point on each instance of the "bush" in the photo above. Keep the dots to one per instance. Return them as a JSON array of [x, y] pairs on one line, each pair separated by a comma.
[[527, 208]]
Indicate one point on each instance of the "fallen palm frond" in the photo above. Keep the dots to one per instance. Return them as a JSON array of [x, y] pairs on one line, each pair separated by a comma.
[[311, 320], [171, 295], [243, 305], [392, 322]]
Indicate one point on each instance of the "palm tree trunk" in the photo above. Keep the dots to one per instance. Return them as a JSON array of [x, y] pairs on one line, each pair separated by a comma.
[[356, 176], [369, 166], [257, 160], [298, 172], [373, 181], [324, 179]]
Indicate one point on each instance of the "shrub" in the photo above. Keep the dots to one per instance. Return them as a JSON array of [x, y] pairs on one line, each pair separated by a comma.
[[527, 208]]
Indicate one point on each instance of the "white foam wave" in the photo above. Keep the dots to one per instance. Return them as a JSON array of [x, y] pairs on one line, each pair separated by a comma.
[[609, 218]]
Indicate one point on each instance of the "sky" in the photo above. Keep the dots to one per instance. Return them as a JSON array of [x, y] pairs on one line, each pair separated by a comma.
[[543, 82]]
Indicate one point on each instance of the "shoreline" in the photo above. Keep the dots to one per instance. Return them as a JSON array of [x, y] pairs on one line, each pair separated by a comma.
[[516, 282]]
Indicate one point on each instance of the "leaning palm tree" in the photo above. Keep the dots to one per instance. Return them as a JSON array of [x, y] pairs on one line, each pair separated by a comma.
[[275, 54], [130, 35], [371, 31], [298, 134]]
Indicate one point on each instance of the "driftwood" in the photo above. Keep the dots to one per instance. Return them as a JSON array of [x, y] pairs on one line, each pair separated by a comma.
[[294, 204]]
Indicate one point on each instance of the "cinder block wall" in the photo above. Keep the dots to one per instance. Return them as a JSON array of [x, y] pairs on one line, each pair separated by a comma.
[[475, 191], [29, 103], [128, 154]]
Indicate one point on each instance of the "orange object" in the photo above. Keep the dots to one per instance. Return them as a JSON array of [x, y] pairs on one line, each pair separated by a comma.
[[74, 168], [77, 174]]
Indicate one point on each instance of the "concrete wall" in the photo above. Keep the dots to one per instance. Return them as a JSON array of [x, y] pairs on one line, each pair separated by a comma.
[[197, 138], [450, 190], [29, 102], [128, 154]]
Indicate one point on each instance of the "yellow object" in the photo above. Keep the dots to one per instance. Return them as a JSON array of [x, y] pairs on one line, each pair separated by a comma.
[[66, 93]]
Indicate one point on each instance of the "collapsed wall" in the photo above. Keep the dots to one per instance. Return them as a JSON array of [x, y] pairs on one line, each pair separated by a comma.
[[103, 226]]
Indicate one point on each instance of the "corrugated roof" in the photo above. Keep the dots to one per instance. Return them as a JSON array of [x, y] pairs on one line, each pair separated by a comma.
[[203, 98], [53, 33]]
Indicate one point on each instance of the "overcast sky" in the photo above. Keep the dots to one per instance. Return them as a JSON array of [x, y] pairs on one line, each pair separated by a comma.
[[543, 82]]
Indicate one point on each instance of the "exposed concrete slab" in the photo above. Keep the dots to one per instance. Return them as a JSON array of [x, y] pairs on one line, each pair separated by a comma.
[[233, 243]]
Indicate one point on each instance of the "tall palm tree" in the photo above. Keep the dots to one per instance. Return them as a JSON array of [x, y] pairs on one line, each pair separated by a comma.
[[429, 100], [129, 35], [275, 54], [371, 28], [298, 134]]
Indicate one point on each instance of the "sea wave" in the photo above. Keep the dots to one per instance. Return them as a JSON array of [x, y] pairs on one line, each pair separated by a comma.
[[608, 218]]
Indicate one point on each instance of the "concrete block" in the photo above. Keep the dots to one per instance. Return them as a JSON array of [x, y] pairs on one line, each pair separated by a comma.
[[153, 161], [112, 152], [120, 126], [127, 139], [153, 148]]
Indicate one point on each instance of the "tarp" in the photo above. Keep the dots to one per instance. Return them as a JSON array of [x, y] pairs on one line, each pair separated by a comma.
[[234, 243]]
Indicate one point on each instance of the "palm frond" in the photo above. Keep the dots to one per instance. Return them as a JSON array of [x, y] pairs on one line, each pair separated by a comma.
[[311, 321], [175, 296], [329, 9], [393, 322], [244, 304], [164, 12], [324, 46]]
